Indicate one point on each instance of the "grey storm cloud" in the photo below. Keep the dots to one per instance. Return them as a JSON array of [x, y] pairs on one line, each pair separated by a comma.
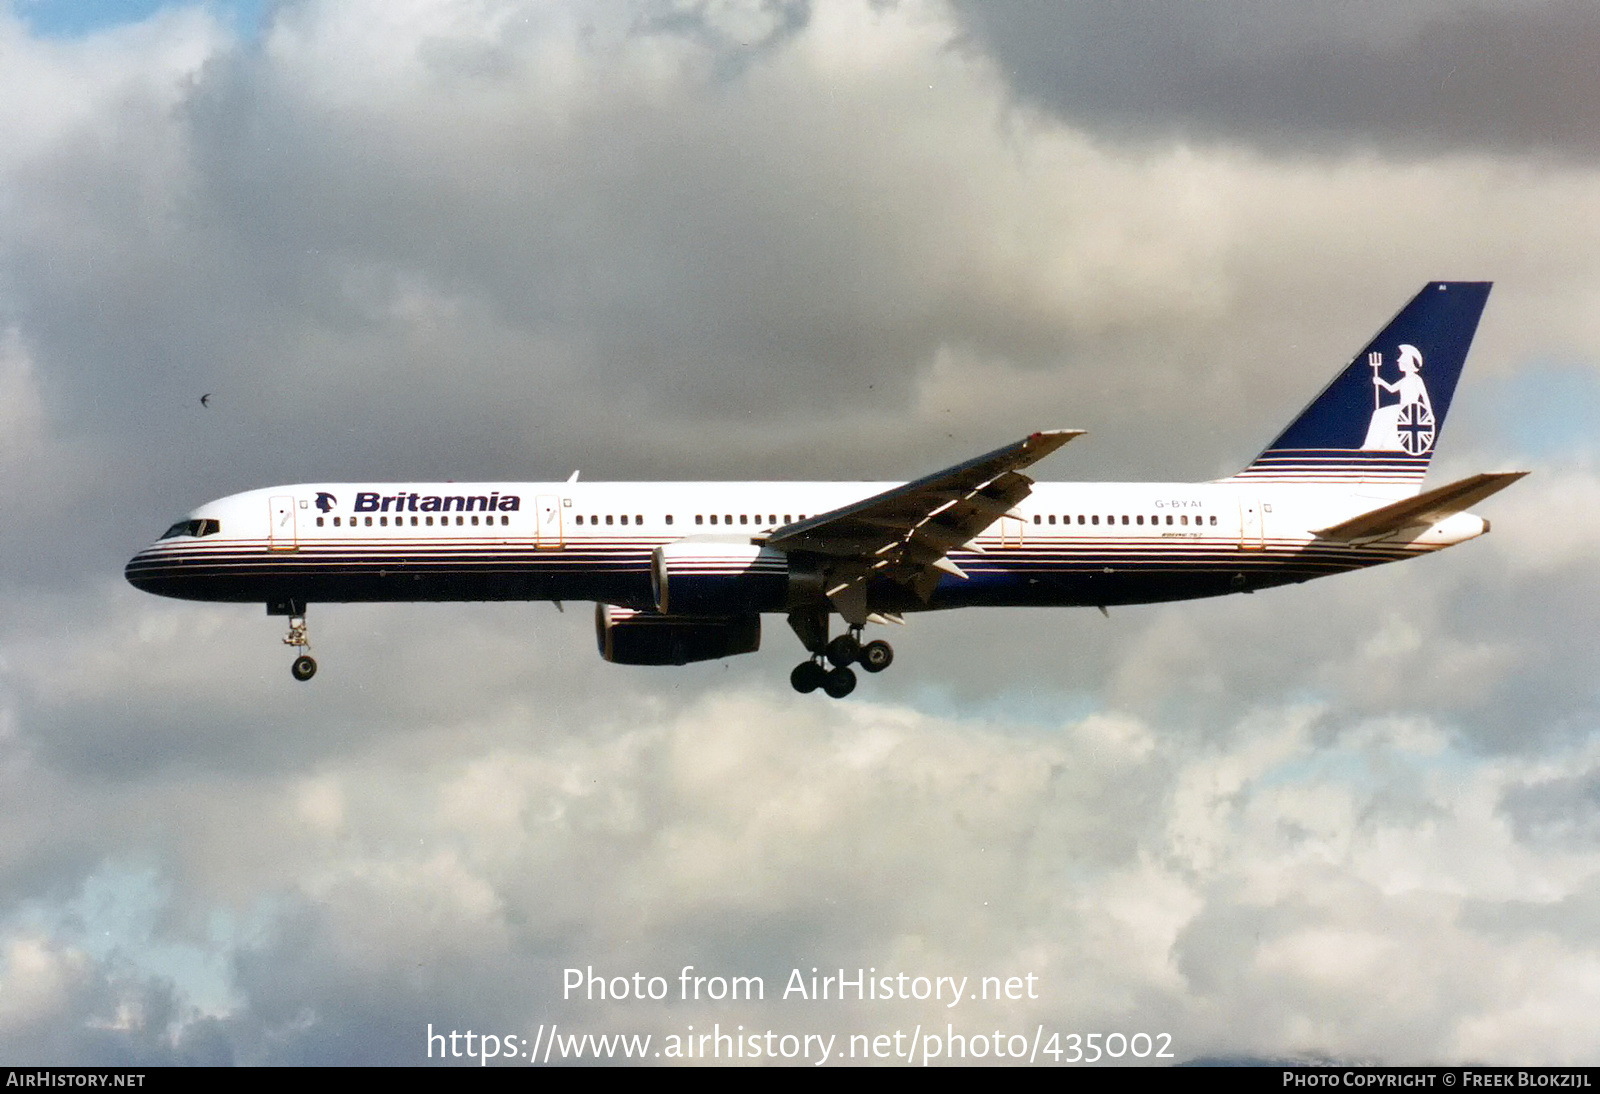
[[746, 240], [1416, 78]]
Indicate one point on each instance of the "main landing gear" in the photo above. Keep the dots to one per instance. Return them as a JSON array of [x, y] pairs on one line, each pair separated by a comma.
[[842, 652]]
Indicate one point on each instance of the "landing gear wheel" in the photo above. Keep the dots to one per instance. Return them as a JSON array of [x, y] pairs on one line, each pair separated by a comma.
[[840, 682], [843, 651], [807, 677], [876, 656], [304, 668]]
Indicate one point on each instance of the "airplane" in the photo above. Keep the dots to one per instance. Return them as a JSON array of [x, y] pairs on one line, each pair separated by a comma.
[[683, 571]]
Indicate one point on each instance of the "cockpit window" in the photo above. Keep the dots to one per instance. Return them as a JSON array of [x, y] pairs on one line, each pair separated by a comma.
[[193, 528]]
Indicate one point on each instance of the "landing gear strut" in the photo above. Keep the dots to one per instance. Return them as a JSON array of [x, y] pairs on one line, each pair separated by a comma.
[[841, 652], [305, 666]]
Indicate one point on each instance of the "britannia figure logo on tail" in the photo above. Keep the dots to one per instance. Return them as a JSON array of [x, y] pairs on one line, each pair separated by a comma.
[[1407, 425]]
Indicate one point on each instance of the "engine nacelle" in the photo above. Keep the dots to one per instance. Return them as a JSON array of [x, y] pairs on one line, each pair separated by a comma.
[[628, 637], [709, 576]]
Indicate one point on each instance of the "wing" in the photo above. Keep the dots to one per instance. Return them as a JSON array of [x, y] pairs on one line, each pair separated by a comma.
[[907, 533], [1425, 508]]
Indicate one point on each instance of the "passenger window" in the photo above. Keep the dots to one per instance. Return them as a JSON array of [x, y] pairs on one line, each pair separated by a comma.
[[624, 518], [319, 522], [638, 519], [669, 518], [1094, 519], [713, 518]]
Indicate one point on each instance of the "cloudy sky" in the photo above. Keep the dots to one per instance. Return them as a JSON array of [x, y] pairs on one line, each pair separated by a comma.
[[1354, 820]]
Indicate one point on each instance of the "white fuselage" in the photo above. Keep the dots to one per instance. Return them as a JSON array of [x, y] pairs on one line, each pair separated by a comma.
[[1066, 543]]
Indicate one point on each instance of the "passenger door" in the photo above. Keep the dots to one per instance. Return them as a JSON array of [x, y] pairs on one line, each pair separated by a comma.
[[1011, 531], [547, 531], [1252, 536], [281, 534]]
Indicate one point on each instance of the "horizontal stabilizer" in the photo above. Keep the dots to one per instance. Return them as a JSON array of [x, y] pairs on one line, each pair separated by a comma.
[[1429, 507]]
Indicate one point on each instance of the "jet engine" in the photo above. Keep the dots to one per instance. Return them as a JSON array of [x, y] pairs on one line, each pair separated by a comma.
[[708, 576], [628, 637]]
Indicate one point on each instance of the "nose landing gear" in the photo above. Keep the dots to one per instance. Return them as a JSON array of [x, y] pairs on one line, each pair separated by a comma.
[[305, 666]]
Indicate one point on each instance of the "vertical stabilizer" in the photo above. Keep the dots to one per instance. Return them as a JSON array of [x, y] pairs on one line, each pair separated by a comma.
[[1379, 420]]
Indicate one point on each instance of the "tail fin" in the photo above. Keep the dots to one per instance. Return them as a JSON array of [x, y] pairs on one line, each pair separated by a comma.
[[1379, 419]]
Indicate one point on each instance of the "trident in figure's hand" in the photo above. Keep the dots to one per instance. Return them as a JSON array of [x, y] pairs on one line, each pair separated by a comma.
[[1375, 359]]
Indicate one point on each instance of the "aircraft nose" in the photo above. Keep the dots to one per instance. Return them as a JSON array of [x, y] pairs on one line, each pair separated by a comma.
[[131, 570], [140, 572]]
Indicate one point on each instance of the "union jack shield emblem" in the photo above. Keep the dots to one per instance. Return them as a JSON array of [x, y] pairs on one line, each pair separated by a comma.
[[1415, 426]]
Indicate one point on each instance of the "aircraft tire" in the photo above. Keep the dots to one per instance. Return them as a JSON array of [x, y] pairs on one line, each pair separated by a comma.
[[304, 668], [876, 655], [840, 682], [807, 677], [843, 651]]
